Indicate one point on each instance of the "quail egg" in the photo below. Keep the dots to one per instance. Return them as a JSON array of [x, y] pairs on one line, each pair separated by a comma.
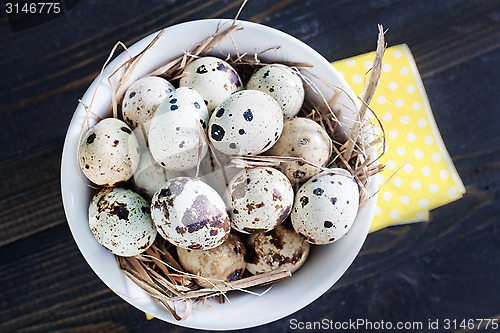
[[283, 84], [224, 263], [142, 98], [278, 248], [258, 199], [303, 138], [121, 221], [190, 214], [325, 208], [176, 135], [109, 152], [213, 78], [248, 122]]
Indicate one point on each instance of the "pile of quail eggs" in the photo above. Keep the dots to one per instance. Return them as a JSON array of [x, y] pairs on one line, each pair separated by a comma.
[[158, 175]]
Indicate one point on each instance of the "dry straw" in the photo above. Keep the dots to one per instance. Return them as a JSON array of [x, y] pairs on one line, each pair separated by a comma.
[[157, 270]]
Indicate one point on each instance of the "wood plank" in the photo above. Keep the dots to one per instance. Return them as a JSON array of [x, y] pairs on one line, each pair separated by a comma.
[[30, 200], [28, 170], [47, 286]]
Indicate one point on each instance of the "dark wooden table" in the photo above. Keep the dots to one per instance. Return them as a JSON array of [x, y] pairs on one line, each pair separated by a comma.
[[448, 268]]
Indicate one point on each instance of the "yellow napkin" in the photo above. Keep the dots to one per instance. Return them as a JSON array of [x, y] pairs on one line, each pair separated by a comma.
[[426, 178]]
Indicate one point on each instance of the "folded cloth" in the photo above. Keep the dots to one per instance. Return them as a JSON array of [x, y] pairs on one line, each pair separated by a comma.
[[419, 174]]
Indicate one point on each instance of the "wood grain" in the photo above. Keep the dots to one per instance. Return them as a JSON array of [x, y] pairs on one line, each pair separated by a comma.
[[445, 268]]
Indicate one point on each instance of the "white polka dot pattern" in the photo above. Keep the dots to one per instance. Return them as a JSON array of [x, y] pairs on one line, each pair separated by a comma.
[[425, 176]]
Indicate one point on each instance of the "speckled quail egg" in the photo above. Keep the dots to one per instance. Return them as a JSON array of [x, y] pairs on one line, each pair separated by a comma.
[[120, 220], [213, 78], [109, 152], [248, 122], [142, 98], [258, 199], [279, 248], [303, 138], [283, 84], [325, 208], [190, 214], [224, 263], [176, 139]]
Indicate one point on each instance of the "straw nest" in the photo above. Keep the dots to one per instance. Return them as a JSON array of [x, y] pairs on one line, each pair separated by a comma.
[[157, 270]]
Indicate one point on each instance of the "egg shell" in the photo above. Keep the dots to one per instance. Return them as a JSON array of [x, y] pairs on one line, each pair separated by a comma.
[[248, 122], [258, 199], [142, 98], [325, 208], [224, 263], [279, 248], [213, 78], [109, 152], [190, 214], [283, 84], [176, 132], [120, 220], [303, 138]]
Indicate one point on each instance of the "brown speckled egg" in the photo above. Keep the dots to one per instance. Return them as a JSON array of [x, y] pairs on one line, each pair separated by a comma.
[[303, 138], [258, 199], [142, 98], [283, 84], [213, 78], [109, 152], [225, 263], [325, 208], [190, 214], [249, 122], [278, 248], [121, 221]]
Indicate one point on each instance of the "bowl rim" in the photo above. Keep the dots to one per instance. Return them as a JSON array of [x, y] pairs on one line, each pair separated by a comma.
[[69, 200]]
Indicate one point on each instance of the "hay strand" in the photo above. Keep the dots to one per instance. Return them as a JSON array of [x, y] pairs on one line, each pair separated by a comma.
[[163, 279], [368, 92]]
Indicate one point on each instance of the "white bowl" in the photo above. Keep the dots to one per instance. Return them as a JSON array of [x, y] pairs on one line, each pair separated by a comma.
[[325, 265]]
